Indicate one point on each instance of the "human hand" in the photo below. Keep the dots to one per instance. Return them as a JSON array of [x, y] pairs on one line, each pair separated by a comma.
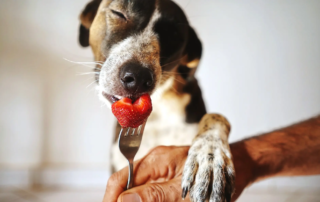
[[157, 177]]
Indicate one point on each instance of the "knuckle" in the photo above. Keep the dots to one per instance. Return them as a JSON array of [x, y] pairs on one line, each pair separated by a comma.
[[155, 193], [159, 150], [114, 179]]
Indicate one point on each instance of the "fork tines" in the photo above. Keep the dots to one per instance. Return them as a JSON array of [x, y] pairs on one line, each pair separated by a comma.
[[132, 131]]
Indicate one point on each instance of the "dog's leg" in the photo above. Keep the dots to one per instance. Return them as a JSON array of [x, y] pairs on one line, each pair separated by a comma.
[[209, 172]]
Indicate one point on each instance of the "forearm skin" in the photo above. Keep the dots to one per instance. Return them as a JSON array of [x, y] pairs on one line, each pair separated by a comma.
[[291, 151]]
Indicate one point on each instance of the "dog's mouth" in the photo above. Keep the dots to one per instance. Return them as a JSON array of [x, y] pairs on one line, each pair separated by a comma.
[[114, 98], [111, 98]]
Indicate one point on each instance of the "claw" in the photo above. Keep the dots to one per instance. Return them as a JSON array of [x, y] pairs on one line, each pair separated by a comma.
[[228, 198], [184, 193]]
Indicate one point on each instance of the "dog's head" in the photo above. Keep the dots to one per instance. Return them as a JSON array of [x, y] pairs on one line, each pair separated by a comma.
[[139, 43]]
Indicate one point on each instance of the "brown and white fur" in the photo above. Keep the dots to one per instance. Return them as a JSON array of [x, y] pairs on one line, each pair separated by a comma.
[[155, 35]]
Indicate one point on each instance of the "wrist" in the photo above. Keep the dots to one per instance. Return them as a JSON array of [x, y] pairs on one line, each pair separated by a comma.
[[244, 164], [263, 157]]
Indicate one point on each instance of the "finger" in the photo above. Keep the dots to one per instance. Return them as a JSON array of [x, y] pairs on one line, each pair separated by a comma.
[[145, 170], [117, 183], [157, 192], [160, 164]]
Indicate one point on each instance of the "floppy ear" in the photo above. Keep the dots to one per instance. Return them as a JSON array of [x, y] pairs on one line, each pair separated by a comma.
[[196, 107], [86, 19], [192, 55]]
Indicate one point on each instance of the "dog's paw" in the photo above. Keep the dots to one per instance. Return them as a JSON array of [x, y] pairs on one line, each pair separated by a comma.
[[208, 172]]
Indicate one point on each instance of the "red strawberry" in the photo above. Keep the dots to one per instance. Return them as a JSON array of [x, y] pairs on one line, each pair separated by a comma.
[[132, 115]]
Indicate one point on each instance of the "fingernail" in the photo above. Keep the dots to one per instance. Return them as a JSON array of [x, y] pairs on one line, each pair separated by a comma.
[[131, 198]]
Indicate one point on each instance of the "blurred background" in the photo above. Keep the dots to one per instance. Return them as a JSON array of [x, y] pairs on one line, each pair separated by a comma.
[[260, 68]]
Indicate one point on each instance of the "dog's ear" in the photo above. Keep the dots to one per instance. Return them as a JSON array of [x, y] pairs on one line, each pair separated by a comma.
[[196, 107], [86, 19], [192, 55]]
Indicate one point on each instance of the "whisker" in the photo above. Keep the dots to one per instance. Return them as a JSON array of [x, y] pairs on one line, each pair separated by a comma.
[[85, 63], [103, 105], [90, 79], [186, 5], [174, 89], [88, 73], [170, 73], [90, 84], [170, 62], [166, 75], [102, 62], [181, 82], [96, 63], [177, 80]]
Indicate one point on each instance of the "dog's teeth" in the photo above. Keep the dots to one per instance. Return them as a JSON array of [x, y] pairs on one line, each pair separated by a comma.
[[118, 97]]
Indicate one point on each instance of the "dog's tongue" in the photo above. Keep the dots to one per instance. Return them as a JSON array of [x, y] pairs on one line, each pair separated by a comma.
[[132, 114]]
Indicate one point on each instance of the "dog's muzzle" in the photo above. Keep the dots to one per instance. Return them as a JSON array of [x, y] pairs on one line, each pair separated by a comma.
[[136, 79]]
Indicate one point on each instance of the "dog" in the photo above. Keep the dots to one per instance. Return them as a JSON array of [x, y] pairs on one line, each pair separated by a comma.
[[148, 46]]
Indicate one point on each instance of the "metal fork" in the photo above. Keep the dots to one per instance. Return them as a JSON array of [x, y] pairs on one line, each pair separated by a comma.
[[129, 143]]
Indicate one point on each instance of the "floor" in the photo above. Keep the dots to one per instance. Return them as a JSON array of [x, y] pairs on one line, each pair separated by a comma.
[[97, 195], [51, 196]]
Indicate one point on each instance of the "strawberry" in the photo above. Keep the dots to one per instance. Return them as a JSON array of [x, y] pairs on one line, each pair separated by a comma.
[[132, 114]]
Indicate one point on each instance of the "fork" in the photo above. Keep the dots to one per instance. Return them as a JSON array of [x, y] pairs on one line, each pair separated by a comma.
[[129, 143]]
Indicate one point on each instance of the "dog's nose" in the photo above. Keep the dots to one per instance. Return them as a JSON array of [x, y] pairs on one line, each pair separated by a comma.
[[135, 78]]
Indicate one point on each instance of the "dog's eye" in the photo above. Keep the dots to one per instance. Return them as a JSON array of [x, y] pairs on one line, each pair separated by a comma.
[[119, 14]]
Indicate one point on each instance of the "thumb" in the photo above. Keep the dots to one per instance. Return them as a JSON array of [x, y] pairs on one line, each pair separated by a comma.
[[154, 192]]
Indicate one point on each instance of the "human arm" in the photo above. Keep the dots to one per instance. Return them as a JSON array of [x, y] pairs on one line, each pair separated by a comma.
[[290, 151]]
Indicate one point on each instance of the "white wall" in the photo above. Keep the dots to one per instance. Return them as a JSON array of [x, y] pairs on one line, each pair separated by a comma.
[[260, 68], [50, 116], [261, 62]]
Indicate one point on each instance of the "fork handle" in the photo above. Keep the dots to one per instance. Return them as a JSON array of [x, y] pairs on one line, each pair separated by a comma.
[[130, 177]]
